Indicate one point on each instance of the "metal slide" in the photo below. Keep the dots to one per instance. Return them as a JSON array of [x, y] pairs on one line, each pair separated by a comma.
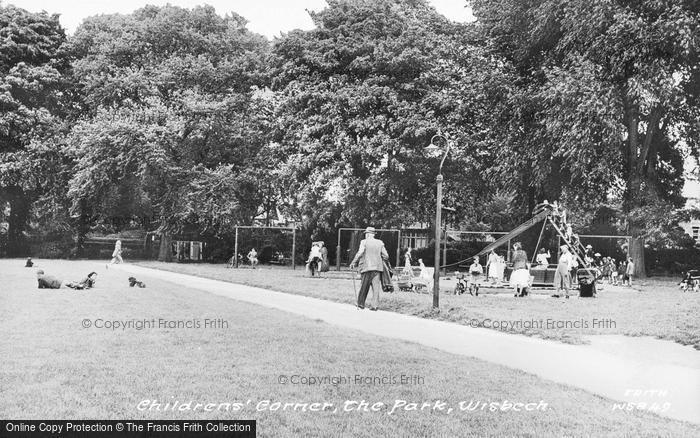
[[539, 217]]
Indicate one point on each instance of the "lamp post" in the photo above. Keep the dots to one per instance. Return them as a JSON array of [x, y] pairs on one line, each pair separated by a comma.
[[438, 219]]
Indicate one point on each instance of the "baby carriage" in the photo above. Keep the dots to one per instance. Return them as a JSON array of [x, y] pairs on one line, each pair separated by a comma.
[[691, 281], [587, 279], [403, 281]]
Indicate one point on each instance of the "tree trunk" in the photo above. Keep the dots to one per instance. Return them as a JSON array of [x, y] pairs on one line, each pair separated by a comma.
[[636, 253], [637, 155], [82, 228], [17, 222], [165, 253], [632, 153]]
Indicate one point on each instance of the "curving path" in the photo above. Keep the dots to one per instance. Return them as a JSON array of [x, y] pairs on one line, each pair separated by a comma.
[[605, 370]]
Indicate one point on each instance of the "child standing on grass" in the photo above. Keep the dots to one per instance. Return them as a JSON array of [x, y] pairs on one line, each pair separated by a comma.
[[562, 276], [253, 257], [475, 271], [612, 265], [605, 268], [630, 271], [621, 272]]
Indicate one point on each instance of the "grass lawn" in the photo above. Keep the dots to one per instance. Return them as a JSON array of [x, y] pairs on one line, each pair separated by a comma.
[[53, 368], [655, 307]]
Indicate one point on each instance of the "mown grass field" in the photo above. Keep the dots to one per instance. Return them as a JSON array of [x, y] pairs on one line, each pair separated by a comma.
[[54, 368], [654, 307]]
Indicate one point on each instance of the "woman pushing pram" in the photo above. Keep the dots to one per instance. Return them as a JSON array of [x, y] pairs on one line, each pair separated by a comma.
[[315, 261]]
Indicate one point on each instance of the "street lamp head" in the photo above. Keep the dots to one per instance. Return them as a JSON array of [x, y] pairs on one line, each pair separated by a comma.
[[431, 149], [435, 151]]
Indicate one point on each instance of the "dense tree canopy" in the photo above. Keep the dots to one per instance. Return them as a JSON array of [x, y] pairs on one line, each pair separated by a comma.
[[606, 102], [174, 118], [360, 98], [171, 119], [32, 102]]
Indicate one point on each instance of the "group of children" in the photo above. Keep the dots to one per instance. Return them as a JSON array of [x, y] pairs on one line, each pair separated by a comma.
[[45, 281], [610, 271], [617, 273], [50, 282]]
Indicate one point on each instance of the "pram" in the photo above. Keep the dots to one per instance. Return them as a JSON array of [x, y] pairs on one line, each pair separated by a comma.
[[403, 281], [691, 281], [587, 278], [410, 281]]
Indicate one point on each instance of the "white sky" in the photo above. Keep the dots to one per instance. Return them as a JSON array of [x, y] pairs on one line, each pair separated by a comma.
[[267, 17]]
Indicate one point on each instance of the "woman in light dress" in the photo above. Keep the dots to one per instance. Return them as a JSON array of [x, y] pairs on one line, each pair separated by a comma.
[[520, 278], [407, 269], [495, 267]]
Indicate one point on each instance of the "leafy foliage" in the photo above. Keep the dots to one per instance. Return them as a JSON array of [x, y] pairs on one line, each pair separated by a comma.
[[177, 120], [360, 98], [32, 102], [174, 118], [606, 102]]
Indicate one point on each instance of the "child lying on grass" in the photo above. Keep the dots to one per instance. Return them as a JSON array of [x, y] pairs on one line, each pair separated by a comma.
[[50, 282]]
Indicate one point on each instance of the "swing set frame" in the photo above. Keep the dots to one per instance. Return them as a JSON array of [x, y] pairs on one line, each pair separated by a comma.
[[262, 227]]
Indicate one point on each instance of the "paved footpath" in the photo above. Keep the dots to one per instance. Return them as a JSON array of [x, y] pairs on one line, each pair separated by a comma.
[[606, 373]]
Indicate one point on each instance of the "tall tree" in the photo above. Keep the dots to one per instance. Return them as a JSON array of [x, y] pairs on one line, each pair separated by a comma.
[[32, 94], [360, 98], [175, 118], [609, 98]]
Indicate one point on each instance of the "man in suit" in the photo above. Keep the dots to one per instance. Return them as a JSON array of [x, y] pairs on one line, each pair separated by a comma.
[[370, 256]]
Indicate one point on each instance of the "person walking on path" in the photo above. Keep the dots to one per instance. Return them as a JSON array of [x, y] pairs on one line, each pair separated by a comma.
[[370, 257], [117, 253], [562, 276]]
